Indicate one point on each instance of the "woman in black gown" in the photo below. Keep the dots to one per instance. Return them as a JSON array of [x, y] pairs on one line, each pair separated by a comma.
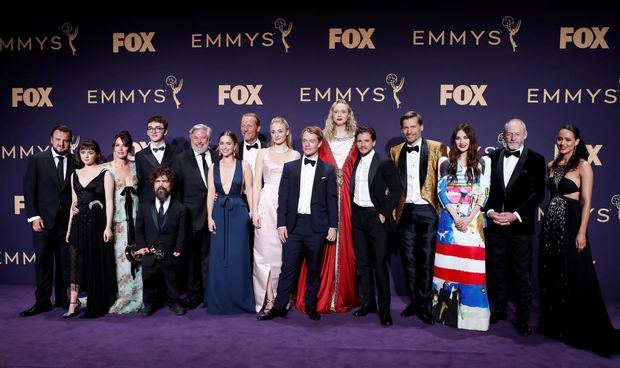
[[571, 305], [91, 249]]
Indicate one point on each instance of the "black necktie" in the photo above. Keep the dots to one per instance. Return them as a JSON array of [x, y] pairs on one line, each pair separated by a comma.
[[250, 146], [205, 167], [414, 148], [508, 153], [59, 169], [309, 161], [160, 214], [159, 149]]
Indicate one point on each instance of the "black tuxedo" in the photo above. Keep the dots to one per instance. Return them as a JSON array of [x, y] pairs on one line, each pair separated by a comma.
[[370, 236], [512, 245], [306, 233], [242, 149], [170, 238], [47, 197], [145, 164], [192, 192]]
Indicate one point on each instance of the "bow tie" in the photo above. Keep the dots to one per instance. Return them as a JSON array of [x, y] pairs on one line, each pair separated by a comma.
[[414, 148], [508, 153], [309, 161], [250, 146], [159, 149]]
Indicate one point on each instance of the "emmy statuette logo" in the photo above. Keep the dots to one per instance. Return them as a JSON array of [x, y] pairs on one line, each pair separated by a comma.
[[280, 25], [171, 81], [509, 23], [392, 80], [71, 34]]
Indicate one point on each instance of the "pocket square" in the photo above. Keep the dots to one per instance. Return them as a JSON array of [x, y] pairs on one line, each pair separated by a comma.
[[323, 177]]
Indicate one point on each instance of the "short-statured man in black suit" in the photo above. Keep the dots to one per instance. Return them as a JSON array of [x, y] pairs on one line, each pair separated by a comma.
[[47, 196], [517, 188], [161, 224], [372, 218], [192, 170], [307, 215], [157, 154]]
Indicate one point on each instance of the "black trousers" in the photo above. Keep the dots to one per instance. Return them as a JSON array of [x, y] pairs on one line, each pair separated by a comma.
[[196, 266], [157, 273], [302, 242], [52, 263], [509, 251], [370, 239], [418, 231]]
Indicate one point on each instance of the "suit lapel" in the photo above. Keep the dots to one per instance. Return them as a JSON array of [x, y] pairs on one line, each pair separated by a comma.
[[499, 169], [316, 186], [518, 168], [154, 216], [423, 162], [191, 157], [168, 156], [167, 215], [402, 166], [357, 163], [52, 169], [148, 154], [374, 166]]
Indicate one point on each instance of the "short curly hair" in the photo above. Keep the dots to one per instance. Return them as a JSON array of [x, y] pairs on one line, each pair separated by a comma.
[[162, 171]]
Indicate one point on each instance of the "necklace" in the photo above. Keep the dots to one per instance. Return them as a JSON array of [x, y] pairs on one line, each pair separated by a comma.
[[279, 150], [342, 139]]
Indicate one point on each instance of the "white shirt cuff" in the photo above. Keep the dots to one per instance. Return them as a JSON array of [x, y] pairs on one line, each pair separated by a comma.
[[517, 215], [31, 219]]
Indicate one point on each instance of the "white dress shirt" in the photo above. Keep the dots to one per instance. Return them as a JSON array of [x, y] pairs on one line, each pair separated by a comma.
[[166, 204], [361, 195], [413, 174], [509, 165], [159, 155], [251, 154], [306, 183], [199, 162]]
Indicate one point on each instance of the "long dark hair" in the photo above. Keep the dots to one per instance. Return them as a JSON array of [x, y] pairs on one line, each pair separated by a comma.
[[580, 150], [473, 158], [233, 137], [87, 145]]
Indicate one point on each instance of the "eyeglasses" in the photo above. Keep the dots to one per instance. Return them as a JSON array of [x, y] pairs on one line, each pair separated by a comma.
[[154, 129]]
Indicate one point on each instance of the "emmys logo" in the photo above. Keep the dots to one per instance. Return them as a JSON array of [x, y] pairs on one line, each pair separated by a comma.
[[584, 38], [593, 152], [509, 23], [31, 97], [615, 200], [75, 143], [463, 95], [17, 258], [280, 25], [171, 81], [239, 95], [392, 81], [566, 96], [243, 39], [124, 96], [21, 152], [351, 38], [133, 42], [51, 42]]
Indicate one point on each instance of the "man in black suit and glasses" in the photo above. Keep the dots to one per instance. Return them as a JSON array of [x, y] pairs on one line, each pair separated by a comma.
[[157, 154], [47, 196]]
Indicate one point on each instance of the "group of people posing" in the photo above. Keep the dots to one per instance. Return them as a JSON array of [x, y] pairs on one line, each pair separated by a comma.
[[257, 227]]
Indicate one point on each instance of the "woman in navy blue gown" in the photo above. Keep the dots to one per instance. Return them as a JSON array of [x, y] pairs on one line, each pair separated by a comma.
[[229, 280]]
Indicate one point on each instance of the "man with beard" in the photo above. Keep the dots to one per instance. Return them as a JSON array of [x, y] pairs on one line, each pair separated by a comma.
[[47, 196], [160, 228], [192, 169]]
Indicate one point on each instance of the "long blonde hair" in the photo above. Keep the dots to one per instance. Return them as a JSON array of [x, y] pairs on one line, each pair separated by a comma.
[[281, 120], [330, 127]]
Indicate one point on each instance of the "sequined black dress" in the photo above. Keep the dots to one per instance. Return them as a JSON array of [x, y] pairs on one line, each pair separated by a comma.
[[571, 305], [92, 264]]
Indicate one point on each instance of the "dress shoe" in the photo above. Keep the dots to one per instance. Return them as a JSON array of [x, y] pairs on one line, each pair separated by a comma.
[[36, 309], [385, 318], [411, 310], [498, 316], [365, 309], [177, 309], [522, 328], [147, 310], [313, 314], [273, 313], [426, 317]]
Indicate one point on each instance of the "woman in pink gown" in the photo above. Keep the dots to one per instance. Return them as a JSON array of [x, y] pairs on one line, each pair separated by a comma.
[[338, 289], [267, 245]]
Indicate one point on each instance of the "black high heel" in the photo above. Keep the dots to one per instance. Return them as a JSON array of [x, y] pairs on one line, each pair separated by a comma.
[[75, 312]]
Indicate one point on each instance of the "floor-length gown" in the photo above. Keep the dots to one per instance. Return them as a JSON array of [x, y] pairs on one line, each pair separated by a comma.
[[459, 281], [571, 305], [129, 297], [229, 288], [267, 244], [92, 263], [338, 287]]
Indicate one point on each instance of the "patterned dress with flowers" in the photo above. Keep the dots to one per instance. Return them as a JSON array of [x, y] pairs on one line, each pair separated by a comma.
[[459, 281]]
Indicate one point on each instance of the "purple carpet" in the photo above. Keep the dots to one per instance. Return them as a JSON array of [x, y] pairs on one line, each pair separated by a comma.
[[201, 340]]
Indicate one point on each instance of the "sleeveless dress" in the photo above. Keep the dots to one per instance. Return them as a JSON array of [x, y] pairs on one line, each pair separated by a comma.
[[459, 296], [267, 245], [129, 281], [229, 289], [571, 304], [91, 260]]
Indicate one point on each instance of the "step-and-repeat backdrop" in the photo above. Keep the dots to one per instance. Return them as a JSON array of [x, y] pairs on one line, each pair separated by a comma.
[[102, 73]]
